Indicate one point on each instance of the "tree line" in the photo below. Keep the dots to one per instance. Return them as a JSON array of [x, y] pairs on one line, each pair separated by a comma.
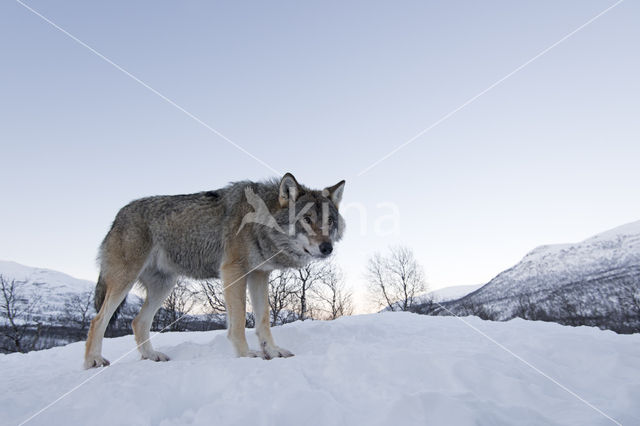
[[317, 291], [395, 282]]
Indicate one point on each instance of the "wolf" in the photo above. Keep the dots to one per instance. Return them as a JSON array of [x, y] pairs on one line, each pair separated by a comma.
[[239, 233]]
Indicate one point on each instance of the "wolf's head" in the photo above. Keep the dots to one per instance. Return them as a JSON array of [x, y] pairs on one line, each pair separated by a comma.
[[309, 218]]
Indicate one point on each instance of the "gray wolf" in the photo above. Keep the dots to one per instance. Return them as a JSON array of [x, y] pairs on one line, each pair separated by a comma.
[[239, 233]]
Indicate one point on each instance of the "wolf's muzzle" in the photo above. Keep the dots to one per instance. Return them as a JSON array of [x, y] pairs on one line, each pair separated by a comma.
[[326, 248]]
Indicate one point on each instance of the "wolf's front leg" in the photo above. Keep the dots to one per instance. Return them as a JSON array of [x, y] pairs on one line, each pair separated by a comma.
[[234, 282], [259, 291]]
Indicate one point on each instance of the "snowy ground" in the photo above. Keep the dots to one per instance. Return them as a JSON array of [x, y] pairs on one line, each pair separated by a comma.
[[375, 369]]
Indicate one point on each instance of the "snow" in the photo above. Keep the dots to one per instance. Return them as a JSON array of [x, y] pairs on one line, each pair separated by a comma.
[[628, 234], [632, 228], [378, 369], [453, 292], [57, 281]]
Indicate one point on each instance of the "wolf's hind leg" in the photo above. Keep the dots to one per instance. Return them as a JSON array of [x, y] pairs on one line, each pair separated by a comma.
[[158, 287], [259, 290], [116, 292]]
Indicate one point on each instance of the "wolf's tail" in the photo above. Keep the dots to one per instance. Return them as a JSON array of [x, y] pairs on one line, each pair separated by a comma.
[[98, 300]]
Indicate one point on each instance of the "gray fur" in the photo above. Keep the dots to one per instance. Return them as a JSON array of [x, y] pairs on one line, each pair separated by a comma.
[[186, 234]]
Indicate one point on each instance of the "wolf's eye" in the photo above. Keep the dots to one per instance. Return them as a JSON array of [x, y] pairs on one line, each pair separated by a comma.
[[330, 221], [307, 220]]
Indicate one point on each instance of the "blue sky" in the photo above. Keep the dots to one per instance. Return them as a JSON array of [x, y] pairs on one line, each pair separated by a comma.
[[324, 89]]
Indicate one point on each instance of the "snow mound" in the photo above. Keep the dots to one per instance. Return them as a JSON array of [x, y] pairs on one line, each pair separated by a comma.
[[379, 369]]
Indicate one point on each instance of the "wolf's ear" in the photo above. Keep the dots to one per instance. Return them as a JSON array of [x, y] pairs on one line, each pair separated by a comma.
[[334, 193], [289, 190]]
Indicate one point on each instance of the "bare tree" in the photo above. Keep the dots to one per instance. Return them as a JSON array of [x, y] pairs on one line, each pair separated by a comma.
[[334, 299], [395, 280], [305, 279], [120, 324], [282, 291], [630, 300], [376, 275], [177, 305], [568, 308], [427, 306], [250, 320], [635, 299], [472, 308], [18, 307], [77, 309], [211, 294], [525, 307]]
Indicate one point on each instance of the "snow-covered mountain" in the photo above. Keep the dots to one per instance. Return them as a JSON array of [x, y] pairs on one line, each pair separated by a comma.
[[377, 369], [593, 279], [452, 292], [52, 287], [56, 281]]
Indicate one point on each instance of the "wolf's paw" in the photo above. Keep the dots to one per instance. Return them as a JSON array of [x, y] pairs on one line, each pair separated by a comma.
[[92, 361], [270, 352], [249, 353], [155, 356]]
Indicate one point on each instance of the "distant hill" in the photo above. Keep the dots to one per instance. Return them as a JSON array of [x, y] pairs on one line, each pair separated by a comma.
[[453, 292], [56, 308], [592, 282], [52, 287]]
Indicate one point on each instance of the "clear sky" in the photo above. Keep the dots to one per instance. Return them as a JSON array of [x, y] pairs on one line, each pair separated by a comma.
[[324, 89]]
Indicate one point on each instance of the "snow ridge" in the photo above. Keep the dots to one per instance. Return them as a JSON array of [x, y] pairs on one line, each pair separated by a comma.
[[377, 369]]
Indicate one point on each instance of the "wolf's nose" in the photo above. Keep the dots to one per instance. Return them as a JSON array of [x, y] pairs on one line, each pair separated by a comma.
[[326, 248]]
